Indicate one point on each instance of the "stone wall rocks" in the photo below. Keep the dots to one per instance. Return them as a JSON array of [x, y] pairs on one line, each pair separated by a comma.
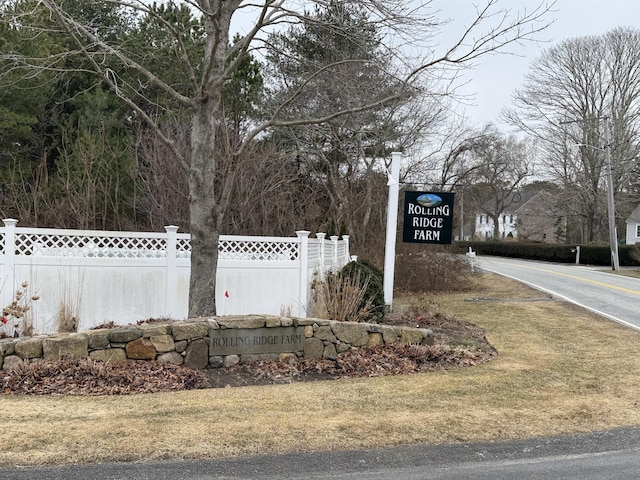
[[65, 346], [189, 342], [112, 355], [197, 354], [30, 348], [124, 335], [141, 349], [355, 334]]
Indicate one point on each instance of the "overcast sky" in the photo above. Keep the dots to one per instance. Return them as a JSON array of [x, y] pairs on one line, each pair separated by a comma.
[[495, 78]]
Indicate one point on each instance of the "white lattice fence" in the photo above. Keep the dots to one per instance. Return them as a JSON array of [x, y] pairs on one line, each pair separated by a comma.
[[68, 244], [128, 276], [258, 249]]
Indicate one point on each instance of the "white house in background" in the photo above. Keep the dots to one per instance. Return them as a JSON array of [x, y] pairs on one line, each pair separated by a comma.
[[531, 217], [633, 227], [507, 225], [507, 221]]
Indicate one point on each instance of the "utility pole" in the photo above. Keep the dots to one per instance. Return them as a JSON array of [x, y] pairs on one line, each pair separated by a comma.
[[461, 215], [611, 208]]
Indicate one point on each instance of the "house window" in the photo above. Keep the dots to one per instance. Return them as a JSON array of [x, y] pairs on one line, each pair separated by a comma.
[[504, 219], [638, 231]]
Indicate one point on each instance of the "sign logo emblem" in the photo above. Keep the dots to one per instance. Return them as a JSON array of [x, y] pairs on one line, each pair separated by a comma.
[[429, 200]]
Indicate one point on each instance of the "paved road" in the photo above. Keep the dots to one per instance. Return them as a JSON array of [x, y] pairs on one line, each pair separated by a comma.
[[614, 296], [611, 455]]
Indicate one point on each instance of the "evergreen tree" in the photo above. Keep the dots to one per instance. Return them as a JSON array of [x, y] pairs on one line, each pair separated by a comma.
[[334, 61]]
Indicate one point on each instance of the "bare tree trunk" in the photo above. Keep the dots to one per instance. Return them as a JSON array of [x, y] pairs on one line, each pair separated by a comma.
[[496, 226], [204, 210], [203, 213]]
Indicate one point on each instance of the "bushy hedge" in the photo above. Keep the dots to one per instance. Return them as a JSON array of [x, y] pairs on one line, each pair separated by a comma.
[[592, 254]]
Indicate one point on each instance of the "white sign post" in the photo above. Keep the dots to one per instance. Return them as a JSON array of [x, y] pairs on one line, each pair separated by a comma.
[[392, 227]]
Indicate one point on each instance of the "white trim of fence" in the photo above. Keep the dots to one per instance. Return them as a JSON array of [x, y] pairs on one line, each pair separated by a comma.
[[129, 276]]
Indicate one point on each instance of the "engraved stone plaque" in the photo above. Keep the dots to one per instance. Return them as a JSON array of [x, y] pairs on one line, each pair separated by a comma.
[[240, 341]]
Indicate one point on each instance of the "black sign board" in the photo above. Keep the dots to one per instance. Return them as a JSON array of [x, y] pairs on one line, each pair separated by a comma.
[[428, 217]]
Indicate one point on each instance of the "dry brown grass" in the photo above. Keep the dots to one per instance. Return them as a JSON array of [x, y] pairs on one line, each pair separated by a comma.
[[560, 370], [629, 272]]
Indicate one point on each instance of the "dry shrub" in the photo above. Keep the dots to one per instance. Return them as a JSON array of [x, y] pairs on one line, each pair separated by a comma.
[[342, 298], [18, 310], [431, 268]]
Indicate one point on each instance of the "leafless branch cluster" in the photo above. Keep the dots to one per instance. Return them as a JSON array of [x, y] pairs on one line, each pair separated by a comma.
[[573, 92]]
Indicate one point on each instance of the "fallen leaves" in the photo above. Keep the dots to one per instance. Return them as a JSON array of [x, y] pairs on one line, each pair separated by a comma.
[[91, 377], [365, 362]]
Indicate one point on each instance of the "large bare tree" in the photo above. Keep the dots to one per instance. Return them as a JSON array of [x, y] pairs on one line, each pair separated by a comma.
[[407, 27], [573, 92]]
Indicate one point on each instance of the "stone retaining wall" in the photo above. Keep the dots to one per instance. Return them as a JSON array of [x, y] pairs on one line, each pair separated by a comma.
[[211, 343]]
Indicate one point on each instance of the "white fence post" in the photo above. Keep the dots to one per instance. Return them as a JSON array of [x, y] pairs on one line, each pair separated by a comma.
[[303, 297], [171, 304], [321, 237], [334, 254], [347, 257], [8, 282]]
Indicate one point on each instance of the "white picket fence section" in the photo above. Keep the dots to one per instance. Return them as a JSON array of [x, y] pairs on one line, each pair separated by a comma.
[[124, 277]]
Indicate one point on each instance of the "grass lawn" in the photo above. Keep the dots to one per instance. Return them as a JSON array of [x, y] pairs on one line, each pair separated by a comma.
[[560, 370]]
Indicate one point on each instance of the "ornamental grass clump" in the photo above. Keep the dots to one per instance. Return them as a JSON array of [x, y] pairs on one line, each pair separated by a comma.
[[354, 294], [371, 279], [342, 298]]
